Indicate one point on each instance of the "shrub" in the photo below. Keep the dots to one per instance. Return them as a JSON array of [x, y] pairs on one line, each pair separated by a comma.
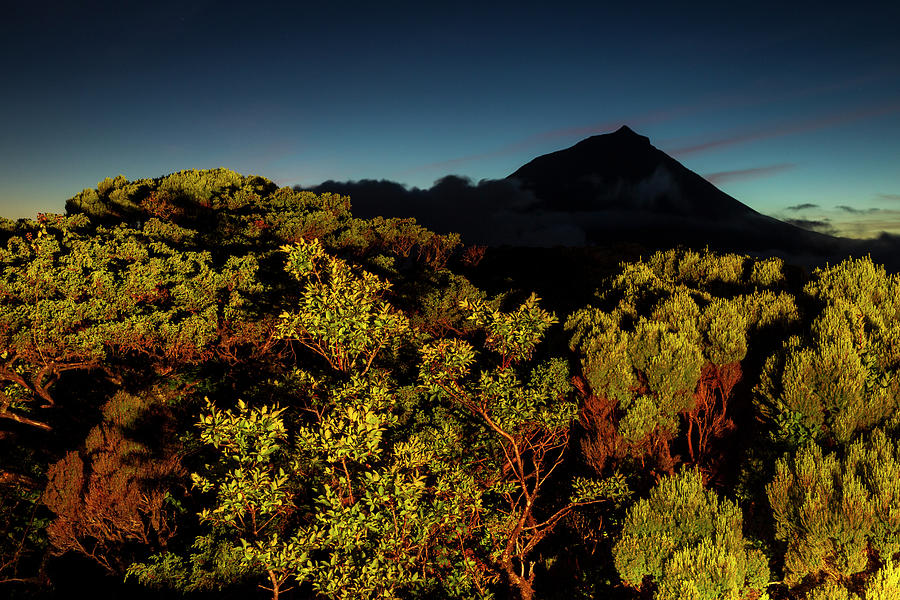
[[836, 511], [690, 543]]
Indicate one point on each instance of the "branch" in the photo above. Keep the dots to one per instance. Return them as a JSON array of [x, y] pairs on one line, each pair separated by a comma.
[[559, 460], [51, 372], [542, 529], [25, 420], [10, 478], [31, 580], [518, 466], [10, 375]]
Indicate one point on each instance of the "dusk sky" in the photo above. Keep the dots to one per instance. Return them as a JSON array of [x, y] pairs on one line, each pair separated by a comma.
[[779, 104]]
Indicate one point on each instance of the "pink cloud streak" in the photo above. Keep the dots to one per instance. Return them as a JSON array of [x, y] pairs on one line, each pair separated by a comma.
[[784, 129], [726, 176], [729, 101]]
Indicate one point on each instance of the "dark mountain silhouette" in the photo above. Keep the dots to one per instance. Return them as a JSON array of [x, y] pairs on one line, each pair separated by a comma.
[[622, 170], [608, 190], [624, 189]]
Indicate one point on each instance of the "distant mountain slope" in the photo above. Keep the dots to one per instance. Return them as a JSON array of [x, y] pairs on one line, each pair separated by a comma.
[[606, 190], [624, 189], [622, 170]]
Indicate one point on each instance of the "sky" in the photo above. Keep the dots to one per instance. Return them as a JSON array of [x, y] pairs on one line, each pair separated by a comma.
[[792, 108]]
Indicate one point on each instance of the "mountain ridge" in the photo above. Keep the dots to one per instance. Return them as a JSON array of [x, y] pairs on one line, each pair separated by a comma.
[[610, 188]]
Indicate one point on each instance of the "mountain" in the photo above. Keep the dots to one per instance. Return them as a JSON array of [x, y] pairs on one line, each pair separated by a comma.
[[607, 190], [622, 170], [622, 188]]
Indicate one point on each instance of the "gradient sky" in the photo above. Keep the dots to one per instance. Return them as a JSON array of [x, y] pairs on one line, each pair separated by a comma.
[[780, 104]]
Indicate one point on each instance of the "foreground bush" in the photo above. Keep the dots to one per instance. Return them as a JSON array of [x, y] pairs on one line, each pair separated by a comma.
[[839, 512], [689, 544]]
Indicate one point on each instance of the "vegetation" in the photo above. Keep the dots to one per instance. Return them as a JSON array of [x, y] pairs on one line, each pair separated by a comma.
[[214, 387]]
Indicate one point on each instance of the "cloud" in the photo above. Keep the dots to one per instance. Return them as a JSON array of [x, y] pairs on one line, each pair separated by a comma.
[[857, 211], [791, 128], [889, 196], [804, 206], [725, 176], [884, 249], [493, 212], [716, 102], [868, 223], [498, 212], [819, 226]]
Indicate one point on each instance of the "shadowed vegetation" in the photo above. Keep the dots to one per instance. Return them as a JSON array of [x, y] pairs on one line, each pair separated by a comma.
[[214, 387]]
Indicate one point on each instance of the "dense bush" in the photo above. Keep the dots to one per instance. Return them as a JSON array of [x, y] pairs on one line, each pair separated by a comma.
[[688, 542], [838, 513], [661, 352], [843, 375], [215, 387]]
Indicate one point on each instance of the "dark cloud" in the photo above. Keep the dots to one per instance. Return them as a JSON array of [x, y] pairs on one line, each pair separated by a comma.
[[753, 173], [889, 196], [884, 249], [857, 211], [804, 206], [819, 226], [493, 212], [498, 212]]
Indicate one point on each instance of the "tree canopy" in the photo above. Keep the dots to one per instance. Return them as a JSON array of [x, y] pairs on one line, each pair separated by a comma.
[[215, 387]]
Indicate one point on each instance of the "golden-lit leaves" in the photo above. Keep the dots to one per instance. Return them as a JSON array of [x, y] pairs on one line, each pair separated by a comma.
[[688, 540], [75, 299], [341, 313], [843, 377], [834, 510], [512, 335]]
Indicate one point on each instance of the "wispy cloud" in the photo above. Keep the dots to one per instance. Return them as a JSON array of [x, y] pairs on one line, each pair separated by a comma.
[[895, 197], [820, 225], [718, 102], [883, 221], [783, 129], [804, 206], [754, 173], [857, 211], [854, 222]]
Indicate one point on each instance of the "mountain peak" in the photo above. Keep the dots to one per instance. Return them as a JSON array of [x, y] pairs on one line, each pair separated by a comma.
[[625, 130], [622, 170], [621, 187], [618, 140]]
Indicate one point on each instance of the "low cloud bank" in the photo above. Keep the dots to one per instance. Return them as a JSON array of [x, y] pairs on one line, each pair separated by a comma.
[[493, 212], [499, 212], [818, 225]]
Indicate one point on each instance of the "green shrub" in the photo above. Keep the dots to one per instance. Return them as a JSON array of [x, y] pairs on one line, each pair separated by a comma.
[[690, 543], [836, 510], [843, 376]]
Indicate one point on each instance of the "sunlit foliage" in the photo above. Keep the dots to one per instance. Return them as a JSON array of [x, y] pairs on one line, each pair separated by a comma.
[[661, 352], [838, 511], [211, 386], [689, 542], [843, 375]]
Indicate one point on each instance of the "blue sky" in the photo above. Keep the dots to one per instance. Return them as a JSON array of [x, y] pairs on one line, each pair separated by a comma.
[[780, 104]]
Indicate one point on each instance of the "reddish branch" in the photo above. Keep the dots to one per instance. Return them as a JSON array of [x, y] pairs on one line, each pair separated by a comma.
[[531, 456], [708, 418], [601, 441]]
